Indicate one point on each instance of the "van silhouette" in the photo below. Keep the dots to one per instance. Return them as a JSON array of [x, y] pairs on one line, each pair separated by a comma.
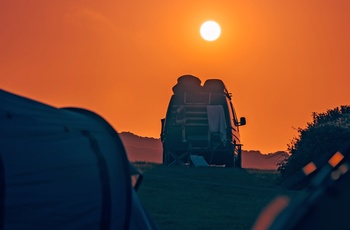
[[201, 121]]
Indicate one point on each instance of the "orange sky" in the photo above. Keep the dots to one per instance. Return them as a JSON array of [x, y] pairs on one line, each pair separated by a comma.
[[282, 60]]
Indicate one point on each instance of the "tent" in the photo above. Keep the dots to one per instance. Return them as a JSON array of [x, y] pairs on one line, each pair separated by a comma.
[[324, 204], [63, 169]]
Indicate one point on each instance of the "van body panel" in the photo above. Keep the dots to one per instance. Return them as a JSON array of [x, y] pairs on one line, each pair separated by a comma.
[[201, 120]]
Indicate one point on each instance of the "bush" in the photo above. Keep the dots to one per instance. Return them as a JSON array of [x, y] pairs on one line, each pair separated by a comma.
[[324, 135]]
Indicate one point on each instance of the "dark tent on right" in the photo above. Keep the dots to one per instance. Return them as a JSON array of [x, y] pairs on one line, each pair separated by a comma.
[[325, 204]]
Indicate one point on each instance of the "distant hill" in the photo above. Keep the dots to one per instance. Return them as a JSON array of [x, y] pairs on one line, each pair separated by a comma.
[[142, 148], [255, 159], [150, 150]]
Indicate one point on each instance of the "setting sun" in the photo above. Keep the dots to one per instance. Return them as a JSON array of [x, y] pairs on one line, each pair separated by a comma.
[[121, 59], [210, 30]]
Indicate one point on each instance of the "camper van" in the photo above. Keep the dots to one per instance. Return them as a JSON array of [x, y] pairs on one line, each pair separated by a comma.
[[201, 121]]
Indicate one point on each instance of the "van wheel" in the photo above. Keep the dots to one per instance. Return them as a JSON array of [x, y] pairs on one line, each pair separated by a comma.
[[238, 160], [165, 157], [230, 162]]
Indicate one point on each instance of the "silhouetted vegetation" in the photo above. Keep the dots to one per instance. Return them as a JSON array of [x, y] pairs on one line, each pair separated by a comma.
[[324, 135]]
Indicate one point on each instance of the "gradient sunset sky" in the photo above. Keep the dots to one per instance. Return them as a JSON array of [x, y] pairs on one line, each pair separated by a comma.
[[282, 60]]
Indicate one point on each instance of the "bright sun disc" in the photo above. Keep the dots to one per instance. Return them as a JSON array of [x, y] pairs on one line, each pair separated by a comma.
[[210, 30]]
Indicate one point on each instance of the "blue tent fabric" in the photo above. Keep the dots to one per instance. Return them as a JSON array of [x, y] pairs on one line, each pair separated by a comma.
[[63, 169], [2, 193]]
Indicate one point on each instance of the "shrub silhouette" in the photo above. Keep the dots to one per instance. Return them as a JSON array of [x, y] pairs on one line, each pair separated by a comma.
[[324, 135]]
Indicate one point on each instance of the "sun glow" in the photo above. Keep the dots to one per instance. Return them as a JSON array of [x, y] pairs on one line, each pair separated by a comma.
[[210, 30]]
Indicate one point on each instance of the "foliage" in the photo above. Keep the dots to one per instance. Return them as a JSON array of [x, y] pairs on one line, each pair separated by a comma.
[[324, 135]]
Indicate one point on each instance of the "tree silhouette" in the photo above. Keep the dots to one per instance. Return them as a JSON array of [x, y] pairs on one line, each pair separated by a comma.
[[324, 135]]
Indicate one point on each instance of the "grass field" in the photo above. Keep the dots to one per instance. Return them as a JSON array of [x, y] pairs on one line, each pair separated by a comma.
[[182, 198]]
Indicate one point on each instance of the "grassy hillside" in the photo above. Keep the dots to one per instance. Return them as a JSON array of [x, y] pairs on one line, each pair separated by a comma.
[[205, 198]]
